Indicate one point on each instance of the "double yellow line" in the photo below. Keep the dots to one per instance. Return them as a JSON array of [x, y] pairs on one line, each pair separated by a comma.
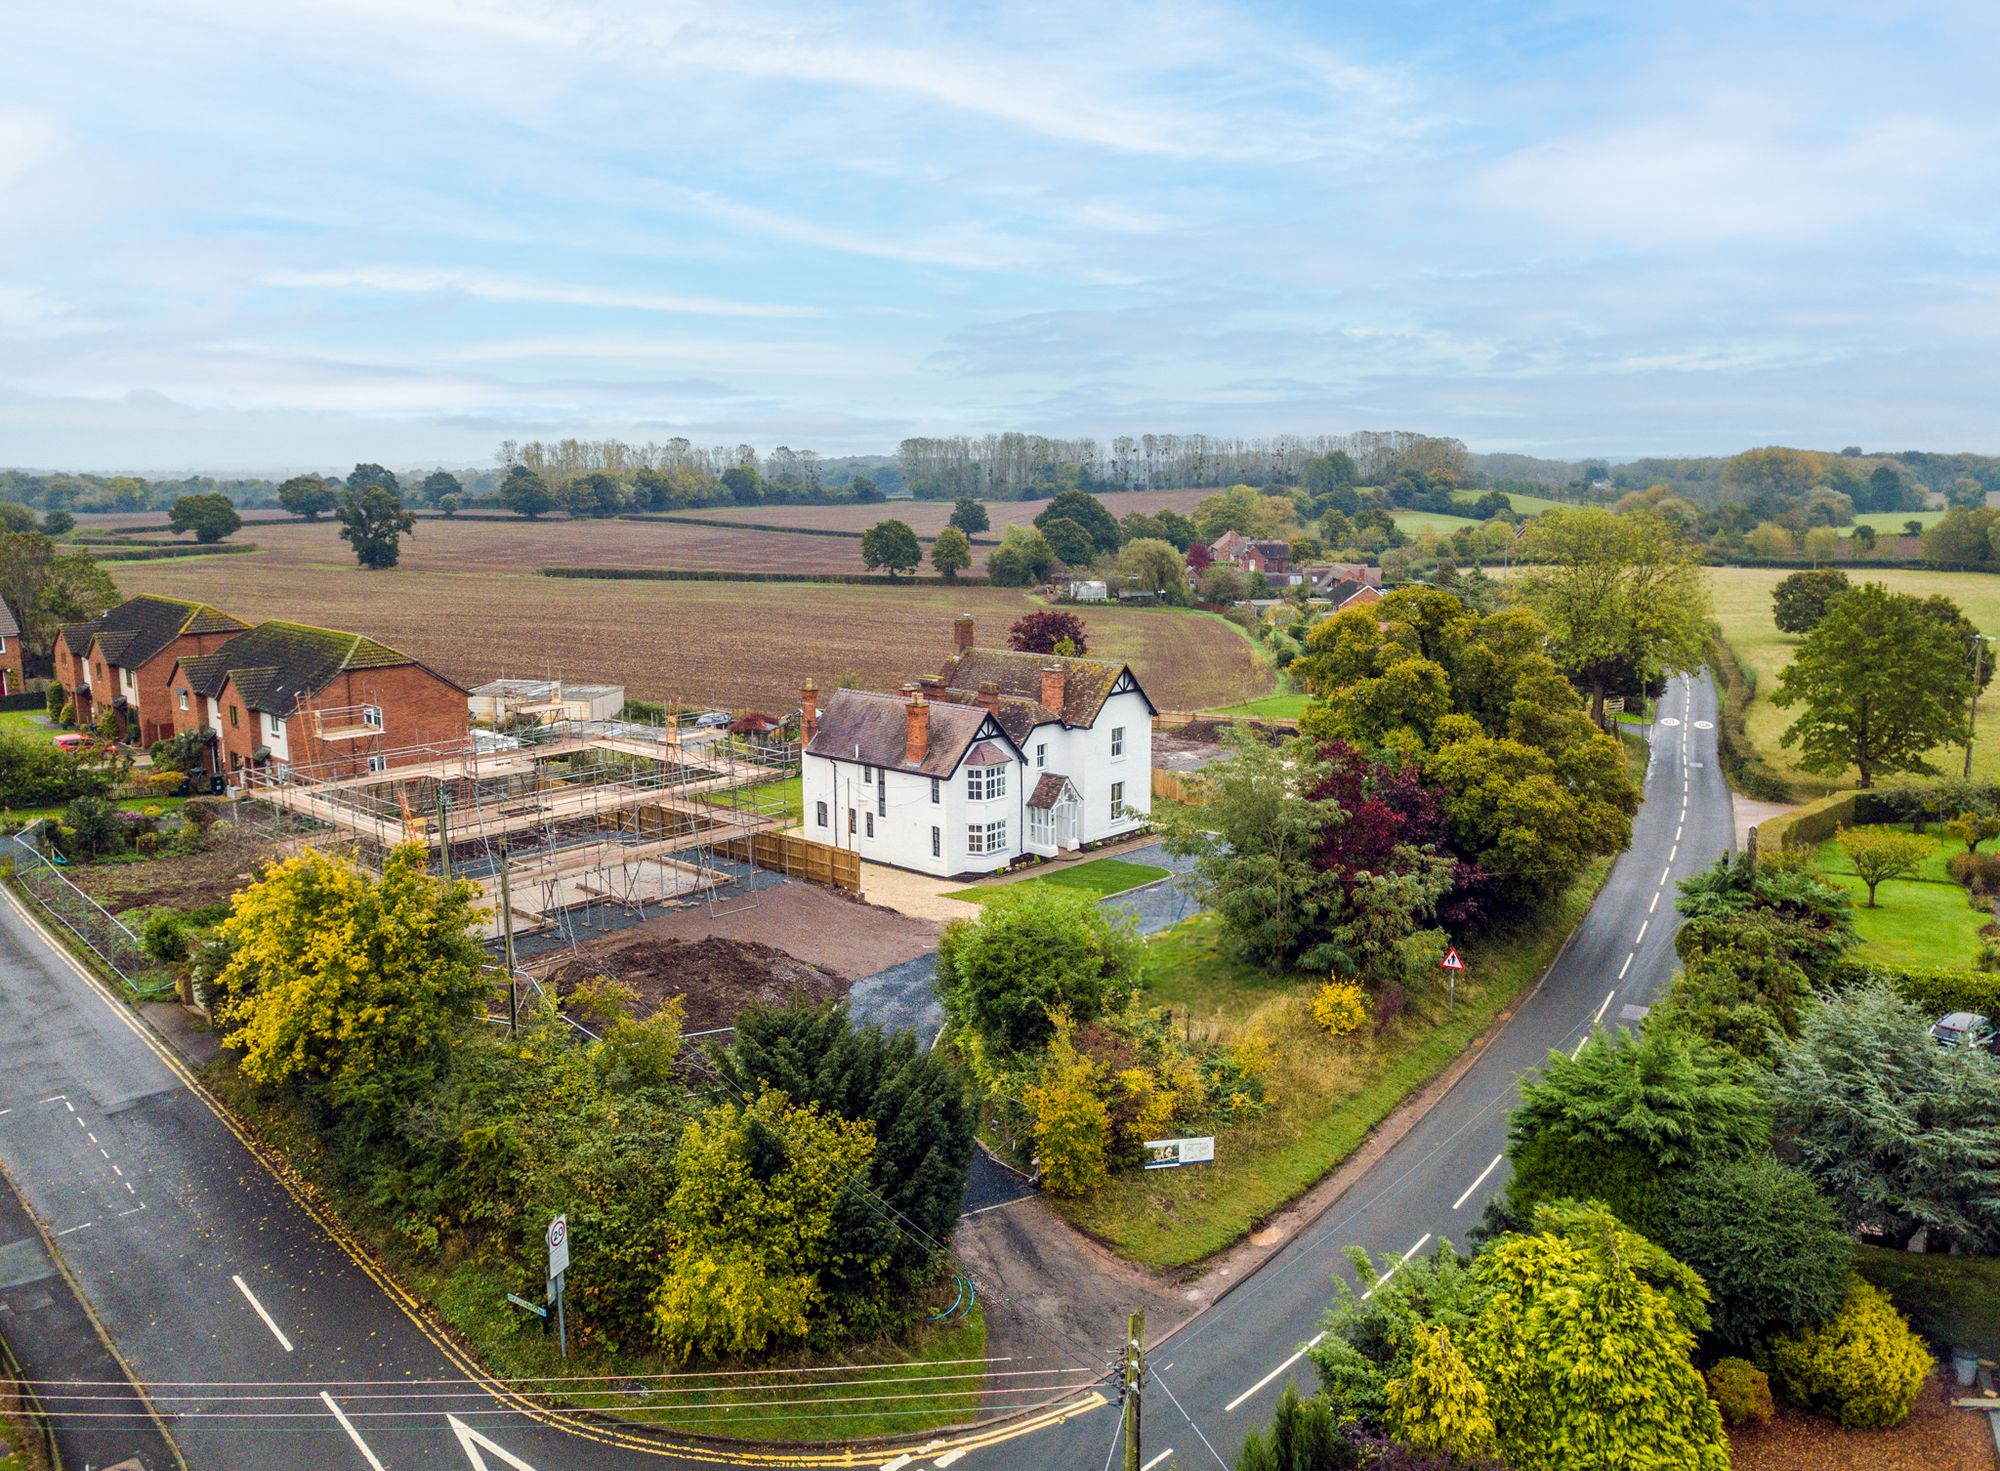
[[307, 1198]]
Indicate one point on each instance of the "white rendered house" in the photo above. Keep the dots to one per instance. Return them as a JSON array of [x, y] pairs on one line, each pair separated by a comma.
[[999, 755]]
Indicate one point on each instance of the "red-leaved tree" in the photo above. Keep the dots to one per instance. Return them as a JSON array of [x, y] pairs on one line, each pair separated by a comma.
[[1389, 807], [1039, 633]]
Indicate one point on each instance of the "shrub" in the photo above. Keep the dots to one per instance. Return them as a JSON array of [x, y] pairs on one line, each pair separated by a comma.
[[1978, 872], [201, 813], [56, 700], [147, 842], [1863, 1368], [1339, 1008], [1741, 1390], [1072, 1124], [164, 936]]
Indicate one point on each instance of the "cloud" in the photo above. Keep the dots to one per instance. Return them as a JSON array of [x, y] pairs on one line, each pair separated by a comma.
[[484, 286]]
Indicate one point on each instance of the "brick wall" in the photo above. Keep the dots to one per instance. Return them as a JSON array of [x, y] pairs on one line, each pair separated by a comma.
[[157, 703], [10, 666], [418, 709]]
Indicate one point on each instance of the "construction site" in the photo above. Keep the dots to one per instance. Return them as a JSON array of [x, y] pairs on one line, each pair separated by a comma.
[[571, 829]]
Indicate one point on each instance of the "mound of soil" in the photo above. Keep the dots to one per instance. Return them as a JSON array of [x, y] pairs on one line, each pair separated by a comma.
[[718, 977]]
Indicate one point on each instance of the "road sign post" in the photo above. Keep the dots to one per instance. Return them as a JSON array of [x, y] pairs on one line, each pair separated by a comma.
[[1452, 966], [558, 1237]]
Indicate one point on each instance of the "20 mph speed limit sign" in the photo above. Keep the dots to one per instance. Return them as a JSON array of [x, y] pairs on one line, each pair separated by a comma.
[[558, 1247]]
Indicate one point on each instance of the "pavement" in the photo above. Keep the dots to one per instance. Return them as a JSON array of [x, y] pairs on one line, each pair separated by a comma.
[[267, 1337]]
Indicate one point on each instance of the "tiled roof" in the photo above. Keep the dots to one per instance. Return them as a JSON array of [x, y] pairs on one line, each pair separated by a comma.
[[859, 725], [276, 662], [987, 754], [8, 627], [1087, 682], [1049, 788], [139, 628], [1346, 591]]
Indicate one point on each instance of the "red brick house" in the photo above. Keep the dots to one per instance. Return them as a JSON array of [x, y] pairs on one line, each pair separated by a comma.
[[330, 703], [121, 659], [10, 652]]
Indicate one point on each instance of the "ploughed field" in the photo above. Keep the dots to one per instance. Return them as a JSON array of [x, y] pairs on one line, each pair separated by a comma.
[[470, 607], [927, 518]]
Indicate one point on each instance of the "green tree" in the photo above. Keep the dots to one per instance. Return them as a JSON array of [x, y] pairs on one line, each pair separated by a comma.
[[347, 985], [14, 516], [1625, 1117], [969, 516], [891, 545], [916, 1103], [1155, 566], [436, 486], [58, 523], [1799, 601], [1071, 1122], [1069, 541], [1973, 827], [751, 1225], [1901, 1134], [1584, 1348], [1305, 1436], [951, 553], [1438, 1405], [1882, 853], [1617, 592], [1034, 951], [1098, 525], [1768, 1245], [1774, 471], [364, 475], [47, 590], [1023, 558], [524, 493], [308, 496], [1961, 537], [449, 504], [1743, 993], [1881, 683], [373, 521], [210, 517]]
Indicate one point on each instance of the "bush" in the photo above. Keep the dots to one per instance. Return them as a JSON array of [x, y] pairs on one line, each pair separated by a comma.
[[1863, 1368], [1072, 1124], [164, 936], [1339, 1008], [57, 700], [201, 813], [1031, 953], [1978, 872], [1742, 1391]]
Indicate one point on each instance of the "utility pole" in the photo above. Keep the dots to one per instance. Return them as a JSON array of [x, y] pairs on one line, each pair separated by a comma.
[[1135, 1376], [507, 932], [1972, 719]]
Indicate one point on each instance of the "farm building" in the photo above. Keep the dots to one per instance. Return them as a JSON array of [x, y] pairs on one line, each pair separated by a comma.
[[122, 660], [999, 756], [288, 695], [544, 701], [10, 651]]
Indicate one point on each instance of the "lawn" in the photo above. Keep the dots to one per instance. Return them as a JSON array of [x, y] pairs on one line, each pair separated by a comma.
[[26, 722], [1288, 705], [1526, 505], [1325, 1095], [782, 799], [1411, 522], [1743, 607], [1924, 920], [1891, 523], [13, 820], [1100, 877], [1954, 1301]]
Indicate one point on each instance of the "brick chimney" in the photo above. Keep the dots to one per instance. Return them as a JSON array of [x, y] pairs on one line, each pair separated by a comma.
[[989, 697], [1055, 680], [917, 739], [808, 711], [961, 632], [932, 685]]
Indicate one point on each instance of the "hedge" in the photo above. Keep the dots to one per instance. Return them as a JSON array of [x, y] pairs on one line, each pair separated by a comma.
[[677, 574], [687, 520], [1935, 990], [1811, 824], [31, 700], [1742, 763], [157, 554]]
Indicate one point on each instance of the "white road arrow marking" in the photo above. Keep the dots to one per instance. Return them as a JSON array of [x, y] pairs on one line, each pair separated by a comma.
[[472, 1443]]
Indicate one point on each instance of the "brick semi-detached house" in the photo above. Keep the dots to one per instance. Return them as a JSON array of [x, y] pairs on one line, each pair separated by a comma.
[[329, 703], [10, 651], [121, 660]]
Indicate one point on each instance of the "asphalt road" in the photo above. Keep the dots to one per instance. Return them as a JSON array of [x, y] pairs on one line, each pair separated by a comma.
[[265, 1338], [1218, 1377]]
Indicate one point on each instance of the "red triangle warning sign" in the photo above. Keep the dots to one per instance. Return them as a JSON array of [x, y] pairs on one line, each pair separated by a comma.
[[1451, 960]]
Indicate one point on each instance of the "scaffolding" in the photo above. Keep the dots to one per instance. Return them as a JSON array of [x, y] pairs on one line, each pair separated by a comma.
[[574, 827]]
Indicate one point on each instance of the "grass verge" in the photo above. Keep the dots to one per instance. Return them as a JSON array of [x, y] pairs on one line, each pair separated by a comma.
[[1924, 920], [1101, 877], [1326, 1094], [1954, 1301]]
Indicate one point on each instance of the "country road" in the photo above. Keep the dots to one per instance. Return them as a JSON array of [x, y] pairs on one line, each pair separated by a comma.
[[265, 1338]]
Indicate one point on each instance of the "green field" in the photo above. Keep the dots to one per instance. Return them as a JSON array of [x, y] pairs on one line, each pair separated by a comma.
[[1289, 705], [1920, 921], [1743, 607], [1891, 522], [1099, 877], [1526, 505], [1411, 522]]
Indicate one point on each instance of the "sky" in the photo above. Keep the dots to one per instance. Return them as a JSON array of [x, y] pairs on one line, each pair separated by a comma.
[[275, 236]]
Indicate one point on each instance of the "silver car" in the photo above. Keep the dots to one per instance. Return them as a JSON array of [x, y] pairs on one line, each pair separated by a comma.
[[1966, 1029]]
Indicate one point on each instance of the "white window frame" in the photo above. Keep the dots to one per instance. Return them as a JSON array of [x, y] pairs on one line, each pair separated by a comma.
[[937, 793], [985, 783], [372, 715], [868, 776], [882, 797], [1117, 743], [986, 837], [1042, 756], [273, 727], [871, 823], [937, 842], [822, 813], [1117, 799], [378, 763], [183, 693]]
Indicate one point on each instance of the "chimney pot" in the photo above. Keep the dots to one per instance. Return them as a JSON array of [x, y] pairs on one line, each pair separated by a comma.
[[808, 711], [961, 631], [917, 734], [1055, 681]]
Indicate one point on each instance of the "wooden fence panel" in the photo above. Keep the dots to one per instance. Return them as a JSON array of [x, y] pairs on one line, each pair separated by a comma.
[[1172, 785], [798, 857]]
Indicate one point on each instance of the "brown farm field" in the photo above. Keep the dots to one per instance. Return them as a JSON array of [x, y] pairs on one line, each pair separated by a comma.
[[467, 601], [927, 518]]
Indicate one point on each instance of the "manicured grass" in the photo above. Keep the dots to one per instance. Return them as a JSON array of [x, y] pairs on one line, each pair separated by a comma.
[[1325, 1094], [27, 722], [1890, 523], [1288, 705], [1527, 505], [1954, 1301], [1924, 920], [1411, 522], [782, 798], [14, 819], [1100, 877], [1743, 607]]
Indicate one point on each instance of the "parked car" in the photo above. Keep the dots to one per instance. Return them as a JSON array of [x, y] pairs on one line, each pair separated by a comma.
[[1966, 1029], [712, 718], [77, 740]]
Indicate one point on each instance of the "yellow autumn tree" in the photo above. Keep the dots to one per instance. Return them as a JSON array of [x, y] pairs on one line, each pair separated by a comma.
[[750, 1224], [1072, 1122], [1439, 1404]]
